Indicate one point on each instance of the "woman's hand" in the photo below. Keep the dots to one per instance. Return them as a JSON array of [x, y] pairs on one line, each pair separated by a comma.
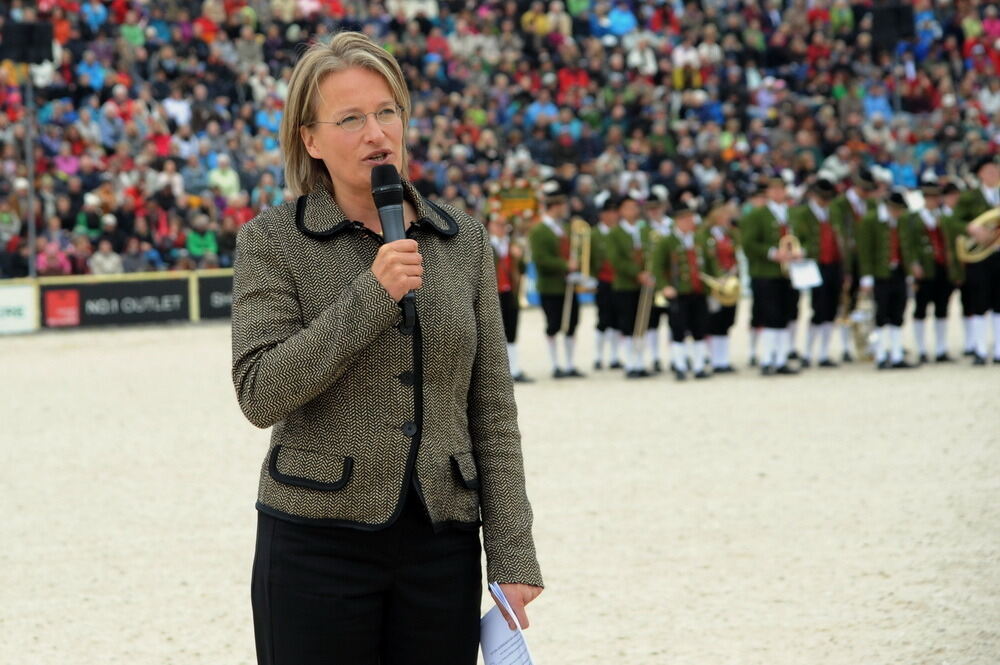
[[518, 595], [398, 267]]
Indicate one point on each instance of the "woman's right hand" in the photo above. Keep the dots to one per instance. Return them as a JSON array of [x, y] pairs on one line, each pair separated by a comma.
[[398, 267]]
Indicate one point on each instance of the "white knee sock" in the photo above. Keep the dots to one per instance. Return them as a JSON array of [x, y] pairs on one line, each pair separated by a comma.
[[754, 336], [845, 338], [792, 330], [715, 348], [724, 345], [629, 344], [553, 353], [678, 357], [652, 343], [996, 334], [616, 342], [782, 346], [768, 342], [920, 335], [569, 347], [811, 334], [512, 359], [825, 333], [882, 351], [979, 335], [941, 336], [970, 334], [600, 337], [698, 356], [896, 343]]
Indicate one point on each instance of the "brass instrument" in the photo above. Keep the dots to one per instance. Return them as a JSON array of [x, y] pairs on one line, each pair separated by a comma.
[[863, 331], [579, 249], [969, 250], [725, 289], [788, 244], [647, 294]]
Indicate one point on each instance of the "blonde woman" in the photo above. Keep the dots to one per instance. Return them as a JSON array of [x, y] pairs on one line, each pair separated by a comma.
[[389, 446]]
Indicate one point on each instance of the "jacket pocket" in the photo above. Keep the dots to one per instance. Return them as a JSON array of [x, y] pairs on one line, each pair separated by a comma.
[[305, 468], [464, 466]]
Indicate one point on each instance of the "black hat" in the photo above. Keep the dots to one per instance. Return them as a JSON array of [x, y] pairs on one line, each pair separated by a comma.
[[683, 210], [951, 186], [824, 189], [865, 180], [554, 192], [775, 181], [759, 187], [930, 187], [628, 196], [897, 200], [983, 161], [610, 203]]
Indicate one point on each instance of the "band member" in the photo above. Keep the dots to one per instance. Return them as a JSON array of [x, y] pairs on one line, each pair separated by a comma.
[[931, 268], [824, 241], [508, 257], [659, 223], [982, 279], [757, 198], [550, 251], [776, 300], [846, 213], [627, 252], [721, 241], [606, 333], [950, 193], [882, 260], [679, 259]]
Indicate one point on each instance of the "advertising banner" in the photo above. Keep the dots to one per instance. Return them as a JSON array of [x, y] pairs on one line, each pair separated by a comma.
[[18, 309], [114, 302]]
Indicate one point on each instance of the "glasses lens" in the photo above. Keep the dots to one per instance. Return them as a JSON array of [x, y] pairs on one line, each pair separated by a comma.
[[353, 122], [387, 115]]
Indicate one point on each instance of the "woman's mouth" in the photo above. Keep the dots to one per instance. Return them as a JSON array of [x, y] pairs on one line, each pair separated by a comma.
[[378, 157]]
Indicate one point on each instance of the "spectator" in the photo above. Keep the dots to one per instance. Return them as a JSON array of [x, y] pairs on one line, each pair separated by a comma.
[[52, 261], [105, 261], [134, 259], [201, 239], [224, 177]]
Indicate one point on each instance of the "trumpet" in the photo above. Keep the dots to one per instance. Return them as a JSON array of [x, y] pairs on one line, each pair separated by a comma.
[[788, 244], [968, 250]]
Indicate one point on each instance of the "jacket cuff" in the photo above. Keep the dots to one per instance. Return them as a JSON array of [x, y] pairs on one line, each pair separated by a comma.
[[771, 252]]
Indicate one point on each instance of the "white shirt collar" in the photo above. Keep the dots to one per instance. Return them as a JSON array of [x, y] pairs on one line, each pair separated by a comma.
[[992, 196], [821, 213], [860, 208], [632, 230], [554, 225], [885, 217], [929, 217], [501, 245], [779, 210]]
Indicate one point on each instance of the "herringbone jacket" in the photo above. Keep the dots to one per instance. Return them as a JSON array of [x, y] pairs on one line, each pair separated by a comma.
[[364, 412]]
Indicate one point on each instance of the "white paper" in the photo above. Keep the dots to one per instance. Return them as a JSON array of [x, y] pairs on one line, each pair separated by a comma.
[[804, 274], [500, 644]]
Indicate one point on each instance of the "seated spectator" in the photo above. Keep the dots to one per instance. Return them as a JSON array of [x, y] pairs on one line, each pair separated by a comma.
[[52, 261], [134, 259], [14, 258], [79, 255], [10, 221], [54, 232], [224, 177], [201, 239], [111, 233], [105, 261], [226, 241]]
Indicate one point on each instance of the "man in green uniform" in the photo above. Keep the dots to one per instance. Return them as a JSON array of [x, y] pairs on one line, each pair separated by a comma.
[[950, 194], [606, 333], [882, 260], [627, 252]]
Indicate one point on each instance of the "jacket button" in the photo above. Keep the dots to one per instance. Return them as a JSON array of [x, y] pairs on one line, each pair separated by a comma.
[[406, 378], [409, 428]]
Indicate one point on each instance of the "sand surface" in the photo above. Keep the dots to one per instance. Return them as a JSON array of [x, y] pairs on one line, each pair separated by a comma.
[[841, 517]]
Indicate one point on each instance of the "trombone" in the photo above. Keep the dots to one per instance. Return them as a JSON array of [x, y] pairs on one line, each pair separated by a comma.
[[647, 294], [579, 249]]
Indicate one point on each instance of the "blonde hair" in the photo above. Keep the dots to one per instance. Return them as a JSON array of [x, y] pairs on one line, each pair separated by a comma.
[[347, 49]]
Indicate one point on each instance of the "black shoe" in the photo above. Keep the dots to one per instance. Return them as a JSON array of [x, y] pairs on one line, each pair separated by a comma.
[[804, 364], [725, 369], [680, 375], [793, 355], [968, 353], [615, 365], [923, 359], [847, 357], [597, 365], [702, 375], [943, 358], [883, 365], [522, 378], [828, 363], [753, 361], [573, 374], [766, 370], [636, 374], [657, 368], [902, 364], [786, 371], [996, 360], [978, 361], [558, 374]]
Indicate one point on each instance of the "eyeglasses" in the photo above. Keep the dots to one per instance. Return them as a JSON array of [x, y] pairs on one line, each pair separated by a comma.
[[353, 122]]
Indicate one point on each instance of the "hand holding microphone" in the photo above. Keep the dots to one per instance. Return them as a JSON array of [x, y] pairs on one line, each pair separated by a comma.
[[398, 266]]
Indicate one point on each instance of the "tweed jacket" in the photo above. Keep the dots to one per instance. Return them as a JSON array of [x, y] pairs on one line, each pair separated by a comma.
[[364, 411]]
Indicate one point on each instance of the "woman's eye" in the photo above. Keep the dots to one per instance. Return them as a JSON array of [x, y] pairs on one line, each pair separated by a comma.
[[352, 121]]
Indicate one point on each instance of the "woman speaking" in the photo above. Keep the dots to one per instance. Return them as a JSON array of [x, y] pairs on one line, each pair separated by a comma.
[[391, 444]]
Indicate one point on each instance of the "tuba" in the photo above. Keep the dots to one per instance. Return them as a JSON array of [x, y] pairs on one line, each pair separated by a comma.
[[969, 250], [725, 289]]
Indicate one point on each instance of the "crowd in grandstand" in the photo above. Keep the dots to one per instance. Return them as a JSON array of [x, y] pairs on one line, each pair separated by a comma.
[[157, 122]]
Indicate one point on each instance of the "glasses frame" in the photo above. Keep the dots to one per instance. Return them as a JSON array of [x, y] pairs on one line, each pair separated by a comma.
[[364, 119]]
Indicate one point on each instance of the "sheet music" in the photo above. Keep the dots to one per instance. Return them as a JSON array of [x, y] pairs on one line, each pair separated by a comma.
[[500, 644]]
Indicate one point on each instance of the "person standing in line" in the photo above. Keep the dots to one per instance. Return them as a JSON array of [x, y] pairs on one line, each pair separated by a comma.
[[627, 252], [951, 191], [722, 242], [606, 333], [508, 258]]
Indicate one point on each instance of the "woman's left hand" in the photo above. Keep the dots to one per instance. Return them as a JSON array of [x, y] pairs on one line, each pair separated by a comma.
[[518, 595]]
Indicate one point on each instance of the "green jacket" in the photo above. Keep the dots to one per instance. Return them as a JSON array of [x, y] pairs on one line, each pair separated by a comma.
[[598, 250], [953, 227], [970, 205], [546, 253], [672, 268], [201, 243], [842, 215], [627, 260], [874, 249], [761, 231], [805, 225], [920, 250]]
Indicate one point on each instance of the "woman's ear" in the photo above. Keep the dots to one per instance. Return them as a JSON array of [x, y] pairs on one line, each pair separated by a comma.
[[309, 141]]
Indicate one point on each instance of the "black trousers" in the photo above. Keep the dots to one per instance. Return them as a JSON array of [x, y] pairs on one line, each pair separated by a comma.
[[604, 300], [890, 299], [339, 596], [934, 291], [776, 301], [721, 320], [655, 314], [510, 310], [688, 314], [552, 306], [982, 286], [626, 303], [826, 296]]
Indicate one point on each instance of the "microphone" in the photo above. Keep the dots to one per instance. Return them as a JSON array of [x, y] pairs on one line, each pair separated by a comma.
[[387, 192]]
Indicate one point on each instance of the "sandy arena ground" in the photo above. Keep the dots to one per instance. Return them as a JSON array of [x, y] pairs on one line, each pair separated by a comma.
[[845, 517]]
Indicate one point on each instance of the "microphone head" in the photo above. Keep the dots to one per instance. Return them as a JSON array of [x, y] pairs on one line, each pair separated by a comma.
[[387, 189]]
